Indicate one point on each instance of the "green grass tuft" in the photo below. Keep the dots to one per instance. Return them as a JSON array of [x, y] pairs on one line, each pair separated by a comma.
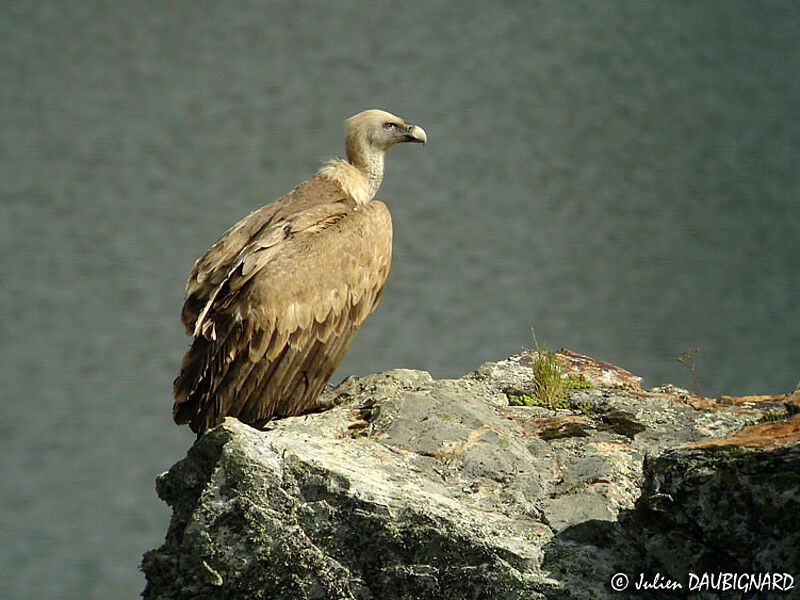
[[548, 379], [550, 384]]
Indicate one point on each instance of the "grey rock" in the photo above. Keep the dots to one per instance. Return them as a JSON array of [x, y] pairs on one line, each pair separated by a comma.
[[734, 506], [415, 488]]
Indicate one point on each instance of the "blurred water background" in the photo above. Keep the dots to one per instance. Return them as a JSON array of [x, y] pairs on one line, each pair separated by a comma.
[[622, 175]]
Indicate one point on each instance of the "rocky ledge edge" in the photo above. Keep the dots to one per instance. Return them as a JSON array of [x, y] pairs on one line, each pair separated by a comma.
[[415, 488]]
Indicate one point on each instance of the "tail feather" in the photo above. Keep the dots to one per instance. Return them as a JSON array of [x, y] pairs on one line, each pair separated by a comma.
[[219, 378]]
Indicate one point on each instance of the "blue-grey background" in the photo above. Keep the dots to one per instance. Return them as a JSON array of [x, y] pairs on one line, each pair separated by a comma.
[[623, 175]]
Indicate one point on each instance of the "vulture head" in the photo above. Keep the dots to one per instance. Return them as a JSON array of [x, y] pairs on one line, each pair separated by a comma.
[[371, 132], [367, 137]]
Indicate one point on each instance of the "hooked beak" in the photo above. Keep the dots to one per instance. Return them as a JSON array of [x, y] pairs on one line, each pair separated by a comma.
[[414, 133]]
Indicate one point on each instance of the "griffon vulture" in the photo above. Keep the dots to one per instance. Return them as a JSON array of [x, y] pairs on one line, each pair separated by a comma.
[[276, 301]]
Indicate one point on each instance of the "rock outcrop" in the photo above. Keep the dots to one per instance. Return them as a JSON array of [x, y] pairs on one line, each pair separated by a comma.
[[415, 488]]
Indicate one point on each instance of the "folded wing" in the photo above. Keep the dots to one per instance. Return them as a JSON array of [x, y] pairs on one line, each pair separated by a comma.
[[275, 303]]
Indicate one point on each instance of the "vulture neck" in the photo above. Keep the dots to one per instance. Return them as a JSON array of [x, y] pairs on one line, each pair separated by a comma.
[[369, 161], [361, 174]]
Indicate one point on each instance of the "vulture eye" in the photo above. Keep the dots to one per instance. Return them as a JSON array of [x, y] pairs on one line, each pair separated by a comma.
[[389, 126]]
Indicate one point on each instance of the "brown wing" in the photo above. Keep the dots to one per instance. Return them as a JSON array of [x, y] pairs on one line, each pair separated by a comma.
[[272, 323], [263, 227]]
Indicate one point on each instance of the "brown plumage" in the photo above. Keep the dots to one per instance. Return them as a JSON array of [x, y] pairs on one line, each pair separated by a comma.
[[276, 301]]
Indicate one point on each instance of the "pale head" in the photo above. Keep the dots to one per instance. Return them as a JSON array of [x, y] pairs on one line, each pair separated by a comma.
[[373, 131], [368, 135]]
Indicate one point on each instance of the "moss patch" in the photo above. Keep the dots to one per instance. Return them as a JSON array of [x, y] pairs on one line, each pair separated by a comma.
[[523, 399], [773, 415], [577, 383]]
